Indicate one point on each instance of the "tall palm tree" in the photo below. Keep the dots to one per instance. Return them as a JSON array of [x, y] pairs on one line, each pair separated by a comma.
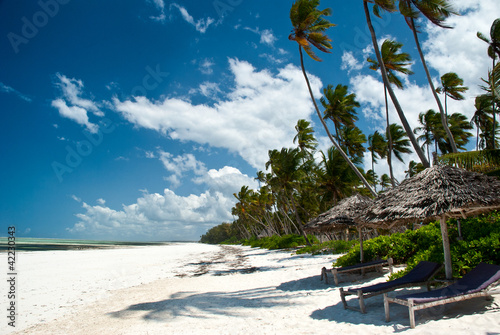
[[336, 179], [401, 145], [427, 121], [481, 118], [483, 108], [377, 145], [305, 139], [385, 181], [451, 87], [436, 11], [309, 26], [459, 126], [288, 171], [394, 62], [492, 89], [493, 52], [352, 140], [339, 107], [389, 5]]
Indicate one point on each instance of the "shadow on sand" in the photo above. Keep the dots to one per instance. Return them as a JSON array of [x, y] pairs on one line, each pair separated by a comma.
[[204, 305]]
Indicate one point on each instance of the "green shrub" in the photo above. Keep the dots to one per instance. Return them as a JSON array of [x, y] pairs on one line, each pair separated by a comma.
[[278, 242], [480, 243], [329, 247]]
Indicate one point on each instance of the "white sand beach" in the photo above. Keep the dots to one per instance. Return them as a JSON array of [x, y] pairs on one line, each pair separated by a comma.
[[190, 288]]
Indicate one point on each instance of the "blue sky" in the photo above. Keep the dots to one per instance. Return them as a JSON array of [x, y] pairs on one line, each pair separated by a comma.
[[138, 120]]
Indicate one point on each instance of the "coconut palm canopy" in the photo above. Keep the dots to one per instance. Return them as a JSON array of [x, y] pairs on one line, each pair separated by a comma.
[[434, 192], [340, 216]]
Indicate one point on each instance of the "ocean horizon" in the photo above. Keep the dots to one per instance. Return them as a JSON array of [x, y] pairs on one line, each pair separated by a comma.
[[48, 244]]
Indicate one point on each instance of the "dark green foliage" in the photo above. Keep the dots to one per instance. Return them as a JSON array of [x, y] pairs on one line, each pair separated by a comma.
[[278, 242], [329, 247], [220, 233], [480, 243]]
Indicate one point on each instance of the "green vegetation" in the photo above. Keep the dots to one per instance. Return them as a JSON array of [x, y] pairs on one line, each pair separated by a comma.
[[301, 182], [328, 247], [278, 242], [480, 243], [222, 234]]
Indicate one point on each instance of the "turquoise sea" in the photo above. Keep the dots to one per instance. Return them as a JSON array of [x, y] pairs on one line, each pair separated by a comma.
[[45, 244]]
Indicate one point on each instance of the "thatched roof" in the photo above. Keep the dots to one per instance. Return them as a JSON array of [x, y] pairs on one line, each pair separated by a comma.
[[340, 216], [436, 191]]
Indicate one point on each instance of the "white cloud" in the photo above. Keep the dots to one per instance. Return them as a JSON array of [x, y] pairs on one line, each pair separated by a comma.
[[266, 35], [458, 49], [200, 25], [75, 113], [160, 5], [167, 216], [7, 89], [178, 165], [101, 201], [349, 62], [209, 89], [73, 106], [72, 89], [206, 66], [259, 114]]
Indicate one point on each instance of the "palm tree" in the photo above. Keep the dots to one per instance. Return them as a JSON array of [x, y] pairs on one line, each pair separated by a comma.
[[401, 145], [493, 52], [305, 137], [352, 140], [394, 61], [309, 26], [436, 11], [385, 181], [483, 108], [492, 92], [372, 177], [339, 107], [389, 5], [459, 125], [412, 169], [335, 178], [427, 121], [481, 118], [452, 87], [377, 145], [288, 171]]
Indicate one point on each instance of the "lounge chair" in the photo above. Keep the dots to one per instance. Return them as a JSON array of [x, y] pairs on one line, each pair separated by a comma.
[[418, 276], [361, 266], [479, 282]]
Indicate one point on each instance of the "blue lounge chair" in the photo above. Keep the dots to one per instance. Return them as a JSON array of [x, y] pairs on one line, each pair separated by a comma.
[[418, 276], [477, 283]]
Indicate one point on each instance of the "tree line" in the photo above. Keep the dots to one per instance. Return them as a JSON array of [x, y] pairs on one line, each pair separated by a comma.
[[301, 182]]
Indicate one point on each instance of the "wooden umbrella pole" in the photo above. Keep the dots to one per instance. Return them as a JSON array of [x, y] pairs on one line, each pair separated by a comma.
[[446, 247], [361, 256]]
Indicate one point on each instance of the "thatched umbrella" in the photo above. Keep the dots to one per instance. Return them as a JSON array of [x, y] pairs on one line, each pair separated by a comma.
[[341, 216], [439, 192]]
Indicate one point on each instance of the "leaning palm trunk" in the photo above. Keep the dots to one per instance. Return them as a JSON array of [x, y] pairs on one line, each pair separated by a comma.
[[351, 164], [389, 138], [395, 101], [444, 117], [299, 221], [494, 97]]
